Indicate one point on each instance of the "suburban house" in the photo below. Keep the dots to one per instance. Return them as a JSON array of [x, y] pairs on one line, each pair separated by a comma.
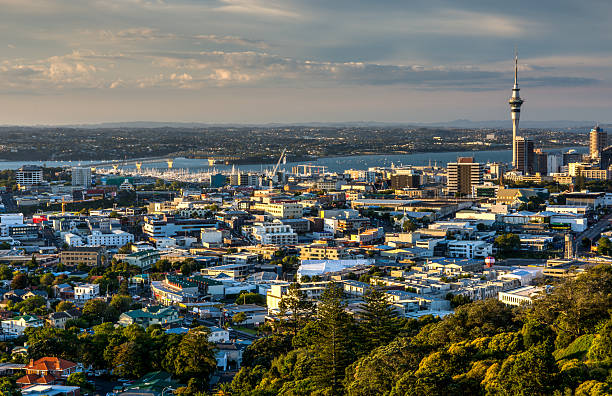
[[149, 316], [47, 370], [17, 325]]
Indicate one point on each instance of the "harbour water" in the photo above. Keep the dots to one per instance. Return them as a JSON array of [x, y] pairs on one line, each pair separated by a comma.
[[333, 164]]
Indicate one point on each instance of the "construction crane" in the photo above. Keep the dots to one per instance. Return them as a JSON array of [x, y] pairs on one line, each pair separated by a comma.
[[280, 159], [272, 175]]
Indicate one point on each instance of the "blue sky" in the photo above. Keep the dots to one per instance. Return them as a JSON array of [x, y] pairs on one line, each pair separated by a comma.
[[82, 61]]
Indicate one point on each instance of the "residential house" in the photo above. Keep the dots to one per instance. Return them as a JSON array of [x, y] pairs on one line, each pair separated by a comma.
[[17, 325], [150, 315], [47, 370]]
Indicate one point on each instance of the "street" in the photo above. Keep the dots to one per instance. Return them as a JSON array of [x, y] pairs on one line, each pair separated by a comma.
[[592, 232]]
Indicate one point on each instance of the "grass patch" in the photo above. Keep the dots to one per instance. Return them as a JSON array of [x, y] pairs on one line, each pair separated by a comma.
[[245, 329]]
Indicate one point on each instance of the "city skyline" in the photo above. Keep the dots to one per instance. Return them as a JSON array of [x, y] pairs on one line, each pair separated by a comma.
[[233, 61]]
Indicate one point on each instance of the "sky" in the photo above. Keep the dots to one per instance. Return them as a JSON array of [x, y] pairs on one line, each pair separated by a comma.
[[260, 61]]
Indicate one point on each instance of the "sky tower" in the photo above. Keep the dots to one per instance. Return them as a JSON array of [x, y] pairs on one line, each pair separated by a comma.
[[515, 110]]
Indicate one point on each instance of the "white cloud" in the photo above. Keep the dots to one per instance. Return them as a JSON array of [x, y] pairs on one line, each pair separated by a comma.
[[257, 8]]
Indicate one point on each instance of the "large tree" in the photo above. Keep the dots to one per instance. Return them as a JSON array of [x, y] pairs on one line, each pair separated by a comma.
[[334, 347], [379, 321], [295, 307], [195, 359]]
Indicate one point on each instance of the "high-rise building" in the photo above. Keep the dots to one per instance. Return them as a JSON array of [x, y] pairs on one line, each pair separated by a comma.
[[554, 162], [29, 175], [524, 155], [599, 141], [571, 156], [464, 174], [515, 110], [540, 162], [81, 176], [400, 181]]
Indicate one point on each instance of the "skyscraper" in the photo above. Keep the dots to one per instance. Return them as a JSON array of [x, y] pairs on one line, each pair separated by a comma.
[[464, 174], [81, 176], [599, 141], [540, 162], [515, 110], [524, 155]]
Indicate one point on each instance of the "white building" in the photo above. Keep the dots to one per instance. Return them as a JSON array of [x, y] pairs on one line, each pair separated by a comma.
[[16, 326], [522, 295], [218, 334], [469, 249], [275, 233], [86, 292], [114, 238], [73, 239], [320, 267], [208, 235], [7, 220], [81, 176], [29, 175]]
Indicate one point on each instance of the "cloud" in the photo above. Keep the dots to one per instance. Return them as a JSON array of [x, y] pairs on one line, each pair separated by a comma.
[[258, 8], [196, 70]]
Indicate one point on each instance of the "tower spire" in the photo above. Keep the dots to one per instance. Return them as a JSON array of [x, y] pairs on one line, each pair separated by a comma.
[[515, 69], [515, 111]]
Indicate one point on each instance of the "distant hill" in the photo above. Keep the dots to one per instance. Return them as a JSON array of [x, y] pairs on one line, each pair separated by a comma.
[[460, 123]]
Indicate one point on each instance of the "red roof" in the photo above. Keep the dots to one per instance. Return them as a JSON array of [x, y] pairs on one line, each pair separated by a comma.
[[36, 379], [50, 364]]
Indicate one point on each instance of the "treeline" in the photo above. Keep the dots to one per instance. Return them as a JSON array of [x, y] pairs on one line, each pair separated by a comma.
[[130, 352], [561, 345]]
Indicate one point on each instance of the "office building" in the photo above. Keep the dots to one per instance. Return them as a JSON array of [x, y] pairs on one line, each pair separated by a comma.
[[29, 175], [540, 162], [571, 156], [524, 155], [90, 256], [81, 176], [399, 181], [464, 174], [274, 233], [598, 141]]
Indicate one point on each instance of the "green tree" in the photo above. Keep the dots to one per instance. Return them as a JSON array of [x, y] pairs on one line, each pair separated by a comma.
[[409, 226], [604, 246], [334, 349], [195, 359], [121, 303], [379, 321], [295, 307], [250, 298], [78, 379], [532, 372], [47, 279], [51, 341], [64, 306], [508, 243], [238, 318], [8, 387], [34, 305], [185, 269], [20, 281], [5, 273]]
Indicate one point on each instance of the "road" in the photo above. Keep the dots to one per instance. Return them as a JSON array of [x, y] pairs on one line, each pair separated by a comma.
[[233, 332], [10, 206], [593, 232]]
